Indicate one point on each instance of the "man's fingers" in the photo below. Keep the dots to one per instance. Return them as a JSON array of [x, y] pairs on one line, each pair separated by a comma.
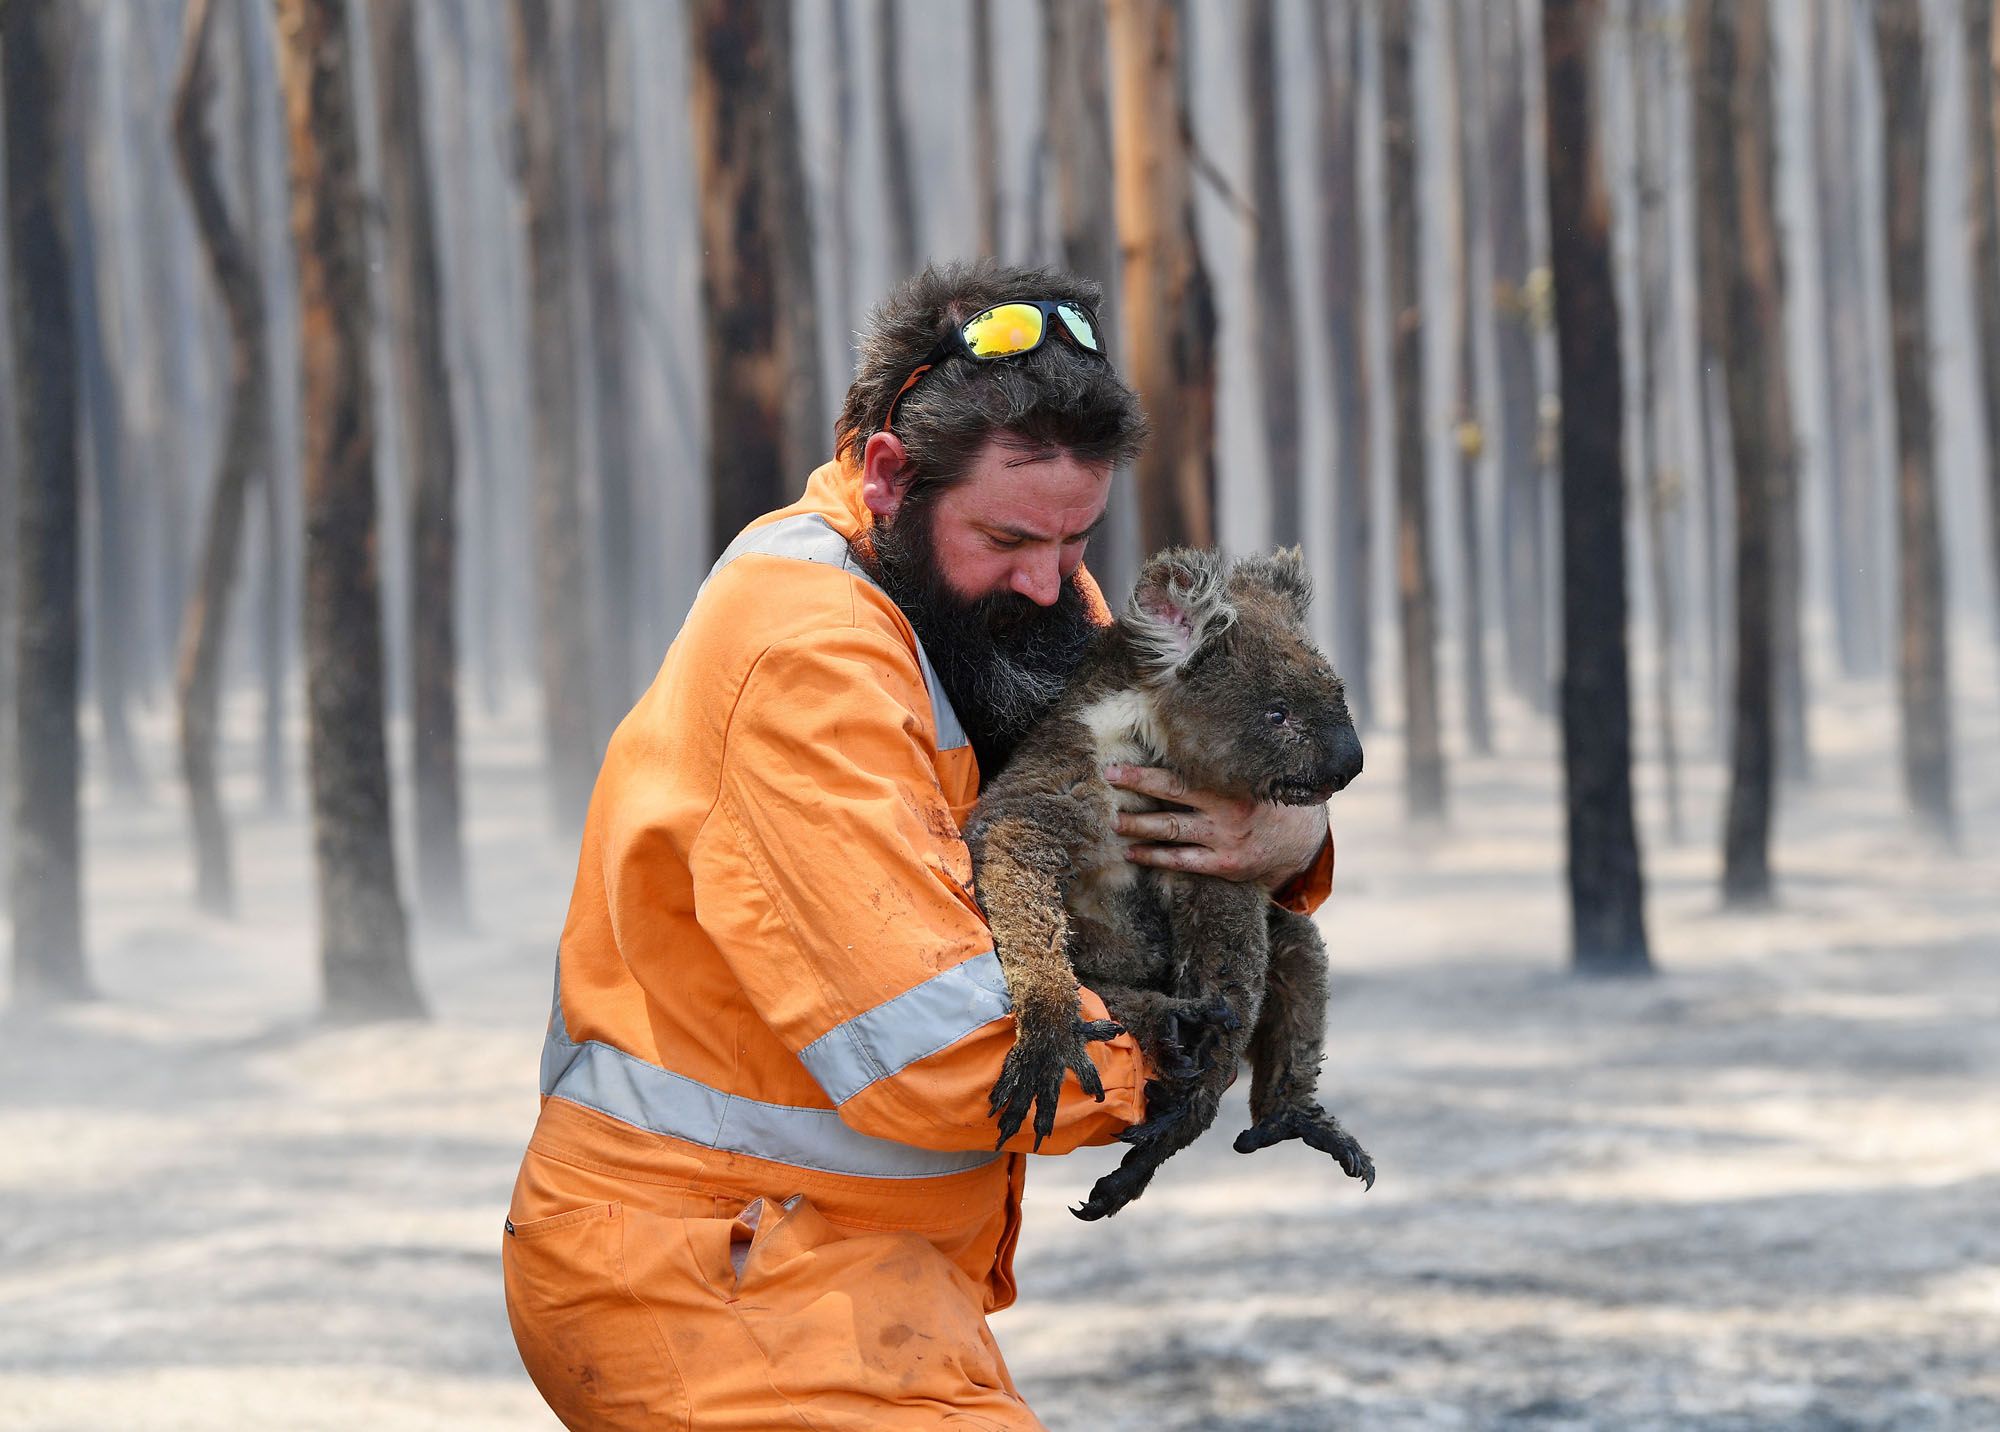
[[1175, 826], [1197, 858], [1148, 780]]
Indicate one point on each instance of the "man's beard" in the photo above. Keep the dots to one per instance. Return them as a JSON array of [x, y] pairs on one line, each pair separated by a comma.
[[1003, 660]]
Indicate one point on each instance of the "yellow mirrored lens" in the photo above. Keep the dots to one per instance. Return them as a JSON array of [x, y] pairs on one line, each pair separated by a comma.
[[1079, 325], [1010, 328]]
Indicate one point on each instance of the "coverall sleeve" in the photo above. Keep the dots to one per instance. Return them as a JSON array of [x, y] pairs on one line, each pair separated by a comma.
[[871, 959], [1307, 891]]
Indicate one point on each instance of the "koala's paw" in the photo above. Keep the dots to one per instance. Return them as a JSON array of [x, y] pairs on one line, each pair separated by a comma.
[[1167, 1104], [1032, 1077], [1115, 1190], [1319, 1130], [1198, 1038]]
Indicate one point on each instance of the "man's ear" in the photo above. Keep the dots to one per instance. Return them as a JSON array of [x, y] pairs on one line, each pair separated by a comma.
[[885, 474], [1178, 603]]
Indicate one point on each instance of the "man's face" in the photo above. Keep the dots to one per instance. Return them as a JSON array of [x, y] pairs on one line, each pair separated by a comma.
[[984, 570]]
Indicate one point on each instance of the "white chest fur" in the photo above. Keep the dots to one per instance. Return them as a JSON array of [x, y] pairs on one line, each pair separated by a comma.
[[1124, 730]]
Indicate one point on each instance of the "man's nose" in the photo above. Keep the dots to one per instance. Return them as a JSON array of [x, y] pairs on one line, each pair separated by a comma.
[[1038, 577]]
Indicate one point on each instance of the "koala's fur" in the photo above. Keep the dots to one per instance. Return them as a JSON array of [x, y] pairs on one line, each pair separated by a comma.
[[1203, 971]]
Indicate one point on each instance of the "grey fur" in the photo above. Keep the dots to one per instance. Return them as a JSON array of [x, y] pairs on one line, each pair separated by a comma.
[[1203, 971]]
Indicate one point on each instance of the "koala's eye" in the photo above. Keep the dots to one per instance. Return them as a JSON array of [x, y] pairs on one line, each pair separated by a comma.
[[1277, 715]]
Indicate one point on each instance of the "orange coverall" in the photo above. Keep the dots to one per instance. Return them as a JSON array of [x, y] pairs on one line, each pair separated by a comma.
[[763, 1190]]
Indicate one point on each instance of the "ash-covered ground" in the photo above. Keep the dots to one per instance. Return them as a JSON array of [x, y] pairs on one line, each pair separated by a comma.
[[1761, 1190]]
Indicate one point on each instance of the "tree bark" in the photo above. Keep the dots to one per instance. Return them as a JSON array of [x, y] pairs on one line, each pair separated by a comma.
[[735, 71], [1336, 45], [1607, 888], [904, 243], [363, 943], [1272, 337], [808, 439], [46, 886], [1982, 109], [1168, 304], [985, 138], [1423, 773], [1464, 43], [1519, 304], [569, 718], [430, 457], [245, 450], [1923, 665]]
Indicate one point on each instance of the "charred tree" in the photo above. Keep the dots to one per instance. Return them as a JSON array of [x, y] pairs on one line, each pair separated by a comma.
[[245, 455], [1336, 42], [1606, 886], [807, 434], [1519, 302], [430, 456], [1923, 667], [904, 244], [1272, 336], [840, 221], [569, 721], [1982, 109], [363, 941], [1463, 40], [985, 137], [46, 888], [735, 67], [1164, 291], [1423, 775]]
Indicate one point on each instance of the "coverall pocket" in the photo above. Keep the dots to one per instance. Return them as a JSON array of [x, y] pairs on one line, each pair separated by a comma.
[[865, 1321], [588, 1343]]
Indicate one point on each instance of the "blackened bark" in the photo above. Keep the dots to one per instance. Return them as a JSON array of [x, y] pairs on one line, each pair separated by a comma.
[[46, 888], [430, 457], [808, 439], [904, 245], [245, 451], [733, 77], [985, 139], [1607, 888], [1336, 44], [1423, 775], [1517, 302], [1168, 304], [1272, 336], [1983, 209], [1923, 666], [563, 641], [839, 217], [363, 941], [1464, 41]]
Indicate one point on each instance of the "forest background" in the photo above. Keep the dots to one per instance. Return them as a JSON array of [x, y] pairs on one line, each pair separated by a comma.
[[1628, 369]]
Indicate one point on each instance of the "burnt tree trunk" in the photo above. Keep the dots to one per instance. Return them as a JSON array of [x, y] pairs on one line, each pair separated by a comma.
[[1982, 108], [985, 138], [1740, 319], [1423, 774], [1165, 295], [1606, 886], [1336, 41], [840, 208], [561, 601], [808, 438], [1465, 43], [1923, 667], [1077, 112], [363, 941], [904, 245], [46, 886], [245, 455], [1517, 304], [430, 457], [734, 62], [1272, 335]]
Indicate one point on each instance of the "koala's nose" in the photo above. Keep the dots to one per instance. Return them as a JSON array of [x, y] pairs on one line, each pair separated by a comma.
[[1343, 751]]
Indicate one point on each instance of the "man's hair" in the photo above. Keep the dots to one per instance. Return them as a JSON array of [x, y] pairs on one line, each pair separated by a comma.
[[1055, 397]]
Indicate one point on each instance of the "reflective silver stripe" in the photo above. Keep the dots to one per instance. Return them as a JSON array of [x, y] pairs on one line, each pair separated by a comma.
[[809, 537], [914, 1025], [648, 1097]]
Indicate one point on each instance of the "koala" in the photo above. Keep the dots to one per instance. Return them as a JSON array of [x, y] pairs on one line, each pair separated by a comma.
[[1208, 672]]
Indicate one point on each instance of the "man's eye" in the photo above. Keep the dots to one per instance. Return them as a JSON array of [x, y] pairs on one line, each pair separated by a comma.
[[1005, 544]]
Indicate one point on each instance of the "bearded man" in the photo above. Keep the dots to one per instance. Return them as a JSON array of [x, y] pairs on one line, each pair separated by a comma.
[[764, 1189]]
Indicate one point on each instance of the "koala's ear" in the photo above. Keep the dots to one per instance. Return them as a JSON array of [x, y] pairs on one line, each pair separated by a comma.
[[1283, 572], [1179, 602]]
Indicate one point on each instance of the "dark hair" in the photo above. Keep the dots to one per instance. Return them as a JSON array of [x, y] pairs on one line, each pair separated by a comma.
[[1055, 397]]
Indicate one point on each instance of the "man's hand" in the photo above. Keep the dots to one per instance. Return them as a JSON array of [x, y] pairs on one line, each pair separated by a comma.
[[1243, 840]]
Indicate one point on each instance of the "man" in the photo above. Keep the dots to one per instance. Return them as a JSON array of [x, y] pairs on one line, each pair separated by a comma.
[[763, 1190]]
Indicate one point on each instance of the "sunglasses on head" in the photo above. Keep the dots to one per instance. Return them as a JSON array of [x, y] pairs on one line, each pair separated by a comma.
[[1007, 330]]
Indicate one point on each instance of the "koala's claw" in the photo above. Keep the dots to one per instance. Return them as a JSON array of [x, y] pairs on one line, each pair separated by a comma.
[[1114, 1191], [1166, 1103], [1196, 1039], [1319, 1130], [1032, 1077]]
